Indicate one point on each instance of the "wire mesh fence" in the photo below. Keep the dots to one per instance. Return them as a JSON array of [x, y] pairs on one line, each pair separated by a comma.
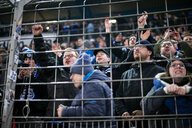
[[134, 90]]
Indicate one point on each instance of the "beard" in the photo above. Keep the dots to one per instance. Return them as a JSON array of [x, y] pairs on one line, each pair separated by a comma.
[[140, 57]]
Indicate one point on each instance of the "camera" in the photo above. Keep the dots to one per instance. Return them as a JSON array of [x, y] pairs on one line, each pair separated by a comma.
[[23, 64]]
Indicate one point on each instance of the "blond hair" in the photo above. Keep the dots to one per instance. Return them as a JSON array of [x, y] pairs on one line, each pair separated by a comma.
[[71, 50]]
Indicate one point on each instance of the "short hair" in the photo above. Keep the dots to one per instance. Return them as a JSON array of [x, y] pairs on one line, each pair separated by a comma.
[[187, 34], [132, 35], [2, 50], [71, 50]]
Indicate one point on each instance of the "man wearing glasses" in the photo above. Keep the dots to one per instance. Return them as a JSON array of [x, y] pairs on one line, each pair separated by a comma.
[[65, 90], [134, 84], [164, 51]]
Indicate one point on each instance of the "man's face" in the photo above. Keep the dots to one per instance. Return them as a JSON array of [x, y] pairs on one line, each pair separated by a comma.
[[141, 53], [132, 41], [30, 61], [188, 39], [77, 78], [79, 42], [177, 69], [167, 49], [102, 44], [69, 58], [119, 38], [102, 58]]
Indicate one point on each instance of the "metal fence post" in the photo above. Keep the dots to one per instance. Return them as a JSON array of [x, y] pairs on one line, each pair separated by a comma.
[[12, 66]]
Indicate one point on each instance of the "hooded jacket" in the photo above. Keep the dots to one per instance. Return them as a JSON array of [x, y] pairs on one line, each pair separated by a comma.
[[166, 105]]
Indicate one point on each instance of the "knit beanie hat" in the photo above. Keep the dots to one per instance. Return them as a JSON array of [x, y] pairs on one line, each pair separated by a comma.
[[29, 54], [83, 62], [87, 43], [147, 43]]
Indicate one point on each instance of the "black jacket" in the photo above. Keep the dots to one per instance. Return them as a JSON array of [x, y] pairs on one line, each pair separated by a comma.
[[105, 70], [31, 92], [133, 88], [35, 91], [64, 89]]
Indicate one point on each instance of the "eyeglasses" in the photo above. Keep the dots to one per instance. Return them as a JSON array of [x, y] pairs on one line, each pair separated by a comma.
[[69, 56], [139, 47], [164, 44], [176, 65]]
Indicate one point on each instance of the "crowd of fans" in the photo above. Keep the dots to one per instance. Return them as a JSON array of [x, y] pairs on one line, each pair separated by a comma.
[[144, 64]]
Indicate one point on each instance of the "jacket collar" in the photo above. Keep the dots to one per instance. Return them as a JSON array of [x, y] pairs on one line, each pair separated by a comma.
[[160, 75], [143, 64]]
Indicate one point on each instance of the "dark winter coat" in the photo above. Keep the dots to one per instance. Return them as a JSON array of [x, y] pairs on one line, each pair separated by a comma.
[[105, 70], [135, 88], [187, 50], [63, 91], [166, 105], [36, 91], [31, 92], [92, 91]]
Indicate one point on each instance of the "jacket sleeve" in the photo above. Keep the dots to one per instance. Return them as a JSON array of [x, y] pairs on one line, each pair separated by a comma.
[[90, 107], [152, 105], [116, 51], [122, 67], [187, 50], [119, 103], [44, 59]]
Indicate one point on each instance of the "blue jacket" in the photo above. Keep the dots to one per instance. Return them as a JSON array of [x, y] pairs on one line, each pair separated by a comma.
[[166, 105], [183, 105], [93, 92]]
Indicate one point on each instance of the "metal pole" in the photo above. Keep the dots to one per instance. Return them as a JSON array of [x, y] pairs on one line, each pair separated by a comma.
[[12, 67]]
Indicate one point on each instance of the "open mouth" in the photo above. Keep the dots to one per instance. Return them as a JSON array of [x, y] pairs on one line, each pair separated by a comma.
[[67, 62], [99, 59]]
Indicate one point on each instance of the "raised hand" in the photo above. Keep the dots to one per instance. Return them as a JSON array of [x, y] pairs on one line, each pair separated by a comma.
[[168, 33], [107, 25], [37, 29], [177, 36], [145, 36], [142, 21]]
